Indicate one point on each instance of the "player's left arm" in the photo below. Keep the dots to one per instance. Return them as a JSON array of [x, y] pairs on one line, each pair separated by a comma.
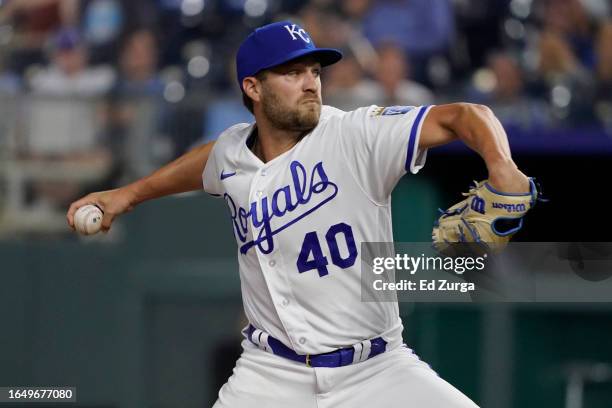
[[477, 127]]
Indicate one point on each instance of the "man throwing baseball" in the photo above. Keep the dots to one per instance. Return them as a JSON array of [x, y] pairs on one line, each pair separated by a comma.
[[305, 185]]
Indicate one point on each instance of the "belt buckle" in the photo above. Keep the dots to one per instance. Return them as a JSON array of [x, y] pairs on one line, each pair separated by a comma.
[[308, 360]]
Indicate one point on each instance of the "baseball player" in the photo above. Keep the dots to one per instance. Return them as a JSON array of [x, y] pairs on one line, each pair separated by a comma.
[[305, 185]]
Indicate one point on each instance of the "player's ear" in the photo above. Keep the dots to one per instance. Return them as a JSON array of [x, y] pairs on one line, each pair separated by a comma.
[[251, 88]]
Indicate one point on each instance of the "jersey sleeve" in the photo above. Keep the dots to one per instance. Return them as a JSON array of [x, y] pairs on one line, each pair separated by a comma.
[[211, 181], [223, 154], [381, 145]]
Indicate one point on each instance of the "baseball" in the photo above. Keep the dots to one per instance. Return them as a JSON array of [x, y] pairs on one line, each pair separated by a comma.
[[88, 219]]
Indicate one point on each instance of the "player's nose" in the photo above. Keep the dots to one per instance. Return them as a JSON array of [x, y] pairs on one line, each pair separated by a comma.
[[310, 82]]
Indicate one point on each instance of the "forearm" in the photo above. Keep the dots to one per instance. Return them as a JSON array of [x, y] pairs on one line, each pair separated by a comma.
[[479, 129], [182, 175]]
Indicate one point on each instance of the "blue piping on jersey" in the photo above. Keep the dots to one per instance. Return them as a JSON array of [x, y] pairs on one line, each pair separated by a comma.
[[412, 141]]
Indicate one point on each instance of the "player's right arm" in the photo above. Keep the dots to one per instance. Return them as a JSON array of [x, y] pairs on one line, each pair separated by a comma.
[[182, 175]]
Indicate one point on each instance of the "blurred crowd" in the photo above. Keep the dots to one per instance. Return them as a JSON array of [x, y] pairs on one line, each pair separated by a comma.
[[111, 89]]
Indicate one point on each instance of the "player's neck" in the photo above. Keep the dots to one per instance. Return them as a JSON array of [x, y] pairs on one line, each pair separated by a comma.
[[270, 142]]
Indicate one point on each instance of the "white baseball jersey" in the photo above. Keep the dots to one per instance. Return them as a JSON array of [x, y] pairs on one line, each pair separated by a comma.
[[299, 220]]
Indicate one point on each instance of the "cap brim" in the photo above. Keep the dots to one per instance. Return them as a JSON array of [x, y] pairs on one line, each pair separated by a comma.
[[326, 56]]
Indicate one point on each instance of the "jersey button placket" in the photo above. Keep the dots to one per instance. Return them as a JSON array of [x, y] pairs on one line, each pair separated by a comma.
[[274, 268], [279, 288]]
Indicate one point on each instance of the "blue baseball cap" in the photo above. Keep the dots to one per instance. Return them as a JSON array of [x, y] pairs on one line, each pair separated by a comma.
[[276, 43]]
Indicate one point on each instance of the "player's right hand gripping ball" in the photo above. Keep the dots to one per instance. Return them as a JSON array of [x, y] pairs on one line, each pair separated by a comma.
[[486, 217], [88, 219]]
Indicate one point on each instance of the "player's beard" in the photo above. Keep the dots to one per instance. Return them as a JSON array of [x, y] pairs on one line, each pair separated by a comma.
[[302, 118]]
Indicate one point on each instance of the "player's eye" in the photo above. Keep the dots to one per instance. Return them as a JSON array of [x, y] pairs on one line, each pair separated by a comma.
[[316, 72]]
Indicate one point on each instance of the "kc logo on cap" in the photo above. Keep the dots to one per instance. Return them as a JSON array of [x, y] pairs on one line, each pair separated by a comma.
[[294, 30], [275, 44]]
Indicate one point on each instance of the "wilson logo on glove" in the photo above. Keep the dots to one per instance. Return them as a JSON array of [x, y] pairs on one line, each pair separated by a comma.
[[478, 204], [511, 207]]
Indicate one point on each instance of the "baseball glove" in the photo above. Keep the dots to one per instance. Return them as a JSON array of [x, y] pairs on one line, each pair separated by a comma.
[[486, 217]]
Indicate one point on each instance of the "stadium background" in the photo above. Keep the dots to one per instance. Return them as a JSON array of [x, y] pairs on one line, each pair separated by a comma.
[[96, 93]]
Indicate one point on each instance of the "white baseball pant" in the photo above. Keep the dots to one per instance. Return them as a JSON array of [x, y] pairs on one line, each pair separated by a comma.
[[394, 379]]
